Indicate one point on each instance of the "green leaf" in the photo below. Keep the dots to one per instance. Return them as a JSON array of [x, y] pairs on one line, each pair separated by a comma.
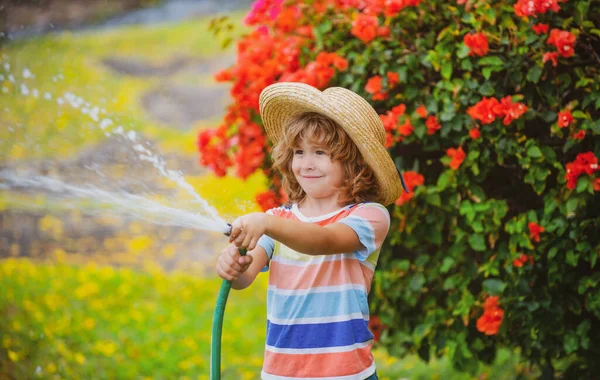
[[487, 89], [491, 61], [444, 180], [494, 286], [487, 72], [447, 69], [446, 264], [580, 115], [534, 74], [572, 258], [477, 242], [571, 343], [534, 151]]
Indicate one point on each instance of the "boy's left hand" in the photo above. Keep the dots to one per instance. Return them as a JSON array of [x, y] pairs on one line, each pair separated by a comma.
[[247, 229]]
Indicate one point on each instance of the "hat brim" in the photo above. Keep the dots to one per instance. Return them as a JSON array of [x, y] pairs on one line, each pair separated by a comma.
[[280, 101]]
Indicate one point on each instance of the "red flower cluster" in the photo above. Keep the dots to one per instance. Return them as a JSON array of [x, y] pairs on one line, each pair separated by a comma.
[[390, 124], [584, 163], [376, 327], [565, 118], [366, 28], [319, 72], [457, 156], [523, 259], [374, 85], [534, 231], [213, 145], [412, 179], [563, 41], [267, 200], [421, 111], [477, 42], [475, 133], [488, 109], [526, 8], [540, 28], [490, 321], [433, 124]]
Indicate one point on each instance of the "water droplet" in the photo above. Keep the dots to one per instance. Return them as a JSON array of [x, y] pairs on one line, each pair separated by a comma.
[[27, 74], [6, 66], [24, 90], [11, 78], [35, 93], [105, 123], [47, 96], [131, 135]]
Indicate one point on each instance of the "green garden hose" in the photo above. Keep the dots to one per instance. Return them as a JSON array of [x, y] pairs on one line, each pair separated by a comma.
[[217, 327]]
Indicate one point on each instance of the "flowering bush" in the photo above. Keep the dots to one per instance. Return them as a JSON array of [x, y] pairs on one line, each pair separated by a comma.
[[492, 111]]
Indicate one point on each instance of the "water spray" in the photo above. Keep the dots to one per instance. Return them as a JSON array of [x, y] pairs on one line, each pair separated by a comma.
[[217, 326]]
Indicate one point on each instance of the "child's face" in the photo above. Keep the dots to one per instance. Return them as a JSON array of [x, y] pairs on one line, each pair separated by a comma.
[[317, 174]]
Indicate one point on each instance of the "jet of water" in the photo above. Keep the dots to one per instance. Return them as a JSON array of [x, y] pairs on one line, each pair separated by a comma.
[[119, 203]]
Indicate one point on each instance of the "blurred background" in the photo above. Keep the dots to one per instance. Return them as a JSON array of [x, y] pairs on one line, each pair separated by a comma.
[[106, 99]]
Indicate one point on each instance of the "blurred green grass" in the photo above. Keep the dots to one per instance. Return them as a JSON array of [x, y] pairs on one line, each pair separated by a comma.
[[82, 322]]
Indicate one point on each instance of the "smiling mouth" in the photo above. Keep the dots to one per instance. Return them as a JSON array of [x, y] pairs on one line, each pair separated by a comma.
[[311, 177]]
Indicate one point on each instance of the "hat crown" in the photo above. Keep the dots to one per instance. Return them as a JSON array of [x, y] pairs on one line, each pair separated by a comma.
[[369, 120]]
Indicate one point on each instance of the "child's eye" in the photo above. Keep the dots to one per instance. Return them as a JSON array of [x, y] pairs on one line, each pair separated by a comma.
[[320, 152], [298, 151]]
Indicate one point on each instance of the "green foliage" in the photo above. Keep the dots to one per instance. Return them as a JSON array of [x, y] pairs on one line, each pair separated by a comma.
[[507, 220], [454, 243]]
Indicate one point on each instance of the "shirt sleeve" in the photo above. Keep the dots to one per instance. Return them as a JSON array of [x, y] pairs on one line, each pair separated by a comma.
[[371, 222], [268, 244]]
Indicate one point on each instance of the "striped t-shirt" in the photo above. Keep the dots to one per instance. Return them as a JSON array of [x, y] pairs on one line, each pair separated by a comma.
[[317, 311]]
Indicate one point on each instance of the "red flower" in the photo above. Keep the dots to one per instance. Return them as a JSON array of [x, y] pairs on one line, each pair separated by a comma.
[[478, 43], [584, 163], [565, 118], [267, 200], [373, 85], [550, 57], [376, 327], [534, 231], [457, 156], [579, 135], [509, 110], [412, 179], [484, 110], [422, 111], [432, 124], [474, 133], [383, 31], [393, 78], [526, 8], [406, 129], [523, 259], [399, 110], [564, 42], [540, 28], [365, 27], [490, 321]]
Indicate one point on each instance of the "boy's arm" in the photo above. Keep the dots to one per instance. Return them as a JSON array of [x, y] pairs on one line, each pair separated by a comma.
[[312, 239], [259, 260]]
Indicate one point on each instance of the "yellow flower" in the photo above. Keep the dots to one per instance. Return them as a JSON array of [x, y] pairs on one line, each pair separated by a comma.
[[13, 356], [89, 323], [79, 358], [106, 348], [86, 290], [51, 368]]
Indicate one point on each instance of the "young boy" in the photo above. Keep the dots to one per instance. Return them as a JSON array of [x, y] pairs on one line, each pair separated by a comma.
[[322, 247]]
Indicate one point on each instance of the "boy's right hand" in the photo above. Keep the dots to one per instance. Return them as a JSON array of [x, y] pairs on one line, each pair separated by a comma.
[[231, 264]]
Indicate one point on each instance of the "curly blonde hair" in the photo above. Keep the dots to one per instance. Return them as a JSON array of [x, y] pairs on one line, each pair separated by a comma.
[[359, 183]]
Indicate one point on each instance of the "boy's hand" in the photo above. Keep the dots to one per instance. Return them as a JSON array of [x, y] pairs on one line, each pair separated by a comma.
[[231, 264], [247, 229]]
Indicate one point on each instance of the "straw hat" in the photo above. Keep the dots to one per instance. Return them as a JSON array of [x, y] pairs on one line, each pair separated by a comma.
[[280, 101]]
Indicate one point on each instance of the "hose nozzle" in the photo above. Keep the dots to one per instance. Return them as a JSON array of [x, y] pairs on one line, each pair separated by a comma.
[[228, 233]]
